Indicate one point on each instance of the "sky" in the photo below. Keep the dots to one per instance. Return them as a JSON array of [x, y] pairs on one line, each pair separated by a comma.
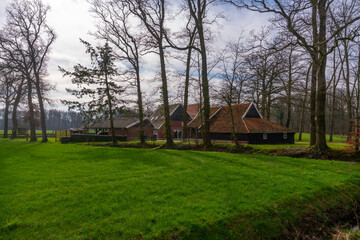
[[72, 20]]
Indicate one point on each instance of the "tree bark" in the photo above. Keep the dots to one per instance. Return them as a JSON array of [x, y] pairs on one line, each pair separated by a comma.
[[31, 111], [301, 127], [6, 118], [288, 98], [169, 141], [313, 89], [358, 93], [233, 132], [140, 105], [15, 106], [109, 98], [42, 111], [186, 95], [320, 143], [332, 113], [205, 81], [263, 98], [347, 84]]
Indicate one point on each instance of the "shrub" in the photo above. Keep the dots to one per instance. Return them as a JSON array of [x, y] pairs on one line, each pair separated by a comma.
[[65, 139], [95, 138]]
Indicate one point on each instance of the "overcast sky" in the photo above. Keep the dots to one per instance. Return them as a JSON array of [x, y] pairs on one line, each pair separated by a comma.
[[72, 20]]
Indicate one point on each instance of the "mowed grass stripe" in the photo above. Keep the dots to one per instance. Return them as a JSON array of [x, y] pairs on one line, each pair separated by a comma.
[[54, 191]]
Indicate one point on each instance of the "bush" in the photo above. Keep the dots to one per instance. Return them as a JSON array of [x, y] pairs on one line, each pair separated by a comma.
[[65, 139], [95, 138]]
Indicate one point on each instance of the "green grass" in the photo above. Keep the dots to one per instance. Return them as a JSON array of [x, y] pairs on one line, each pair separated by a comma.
[[72, 191], [336, 138], [37, 131]]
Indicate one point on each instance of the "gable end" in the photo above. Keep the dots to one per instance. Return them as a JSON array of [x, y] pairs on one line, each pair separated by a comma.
[[252, 112]]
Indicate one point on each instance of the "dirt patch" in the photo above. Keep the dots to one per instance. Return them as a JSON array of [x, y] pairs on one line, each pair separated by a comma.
[[306, 152]]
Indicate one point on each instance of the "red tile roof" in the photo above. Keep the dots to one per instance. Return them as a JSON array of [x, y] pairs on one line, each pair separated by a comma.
[[221, 121], [260, 125], [193, 109], [198, 121]]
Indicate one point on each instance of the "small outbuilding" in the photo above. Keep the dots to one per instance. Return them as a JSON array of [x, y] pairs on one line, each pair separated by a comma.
[[250, 126], [124, 126]]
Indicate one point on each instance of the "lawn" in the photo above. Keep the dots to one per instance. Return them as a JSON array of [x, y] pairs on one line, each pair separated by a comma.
[[72, 191], [336, 138]]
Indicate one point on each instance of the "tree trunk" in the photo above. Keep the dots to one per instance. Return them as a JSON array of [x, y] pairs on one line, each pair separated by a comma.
[[268, 101], [6, 118], [15, 106], [205, 82], [313, 105], [112, 128], [301, 127], [233, 132], [335, 83], [186, 95], [31, 111], [320, 144], [140, 105], [358, 93], [332, 112], [169, 141], [347, 84], [42, 111], [263, 99], [288, 118], [358, 102]]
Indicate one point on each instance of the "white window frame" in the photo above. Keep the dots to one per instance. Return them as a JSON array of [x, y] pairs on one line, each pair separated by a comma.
[[285, 136], [265, 137]]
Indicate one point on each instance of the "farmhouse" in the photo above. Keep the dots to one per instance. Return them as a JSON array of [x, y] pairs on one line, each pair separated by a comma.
[[124, 126], [250, 126], [176, 117]]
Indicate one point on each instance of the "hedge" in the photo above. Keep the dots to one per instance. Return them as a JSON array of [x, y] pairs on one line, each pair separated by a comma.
[[91, 138]]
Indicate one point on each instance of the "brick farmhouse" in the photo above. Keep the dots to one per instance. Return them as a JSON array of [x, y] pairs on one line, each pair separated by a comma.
[[250, 126]]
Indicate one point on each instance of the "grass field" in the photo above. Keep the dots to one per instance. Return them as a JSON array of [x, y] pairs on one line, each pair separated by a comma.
[[37, 131], [336, 138], [57, 191]]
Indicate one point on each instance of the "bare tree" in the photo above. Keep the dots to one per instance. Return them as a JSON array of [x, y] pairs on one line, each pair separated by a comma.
[[301, 18], [342, 12], [291, 74], [15, 55], [7, 94], [303, 103], [152, 16], [198, 10], [231, 62], [27, 18], [265, 66], [115, 27], [335, 79]]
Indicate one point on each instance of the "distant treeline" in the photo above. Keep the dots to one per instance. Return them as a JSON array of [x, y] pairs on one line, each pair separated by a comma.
[[55, 120]]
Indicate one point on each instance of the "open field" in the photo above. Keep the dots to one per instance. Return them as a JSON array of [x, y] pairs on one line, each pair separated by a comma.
[[55, 191]]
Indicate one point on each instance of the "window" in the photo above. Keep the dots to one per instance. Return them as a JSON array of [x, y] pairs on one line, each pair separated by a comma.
[[265, 136], [285, 136], [177, 134]]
